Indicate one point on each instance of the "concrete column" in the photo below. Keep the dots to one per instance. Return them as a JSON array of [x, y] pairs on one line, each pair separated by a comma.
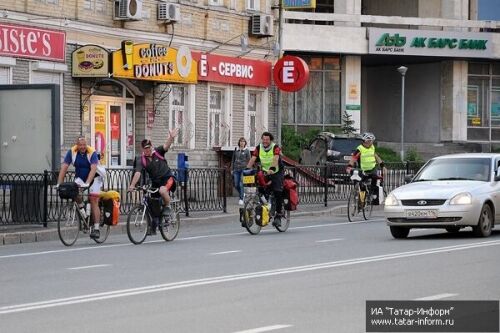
[[347, 7], [351, 88], [454, 100]]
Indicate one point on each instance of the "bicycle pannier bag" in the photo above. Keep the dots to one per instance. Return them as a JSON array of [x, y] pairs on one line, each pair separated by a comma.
[[154, 205], [68, 190], [111, 207], [291, 197], [379, 192]]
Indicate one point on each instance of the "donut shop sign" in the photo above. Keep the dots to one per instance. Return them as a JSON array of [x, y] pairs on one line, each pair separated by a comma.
[[35, 43]]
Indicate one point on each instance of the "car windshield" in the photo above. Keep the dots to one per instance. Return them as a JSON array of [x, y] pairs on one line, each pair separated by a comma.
[[455, 169], [345, 145]]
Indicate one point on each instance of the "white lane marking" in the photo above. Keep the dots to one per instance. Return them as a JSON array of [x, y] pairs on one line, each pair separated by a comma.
[[235, 277], [225, 252], [435, 297], [329, 240], [178, 239], [265, 329], [87, 267]]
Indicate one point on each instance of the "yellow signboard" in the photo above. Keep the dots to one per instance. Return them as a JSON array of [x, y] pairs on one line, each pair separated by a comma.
[[154, 62], [476, 121], [90, 61]]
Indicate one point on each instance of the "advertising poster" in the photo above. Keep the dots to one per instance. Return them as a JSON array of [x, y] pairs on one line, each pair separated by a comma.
[[100, 131], [115, 138]]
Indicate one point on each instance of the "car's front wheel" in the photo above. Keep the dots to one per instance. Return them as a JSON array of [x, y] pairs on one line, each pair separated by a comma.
[[399, 232], [485, 223]]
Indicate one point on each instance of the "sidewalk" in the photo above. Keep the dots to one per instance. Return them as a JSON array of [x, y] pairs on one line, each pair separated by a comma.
[[16, 234]]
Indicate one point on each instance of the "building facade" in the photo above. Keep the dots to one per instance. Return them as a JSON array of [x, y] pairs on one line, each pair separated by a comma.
[[354, 48], [133, 69]]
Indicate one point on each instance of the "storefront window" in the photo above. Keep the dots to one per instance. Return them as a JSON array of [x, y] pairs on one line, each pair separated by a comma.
[[218, 129], [178, 112], [483, 103], [318, 103]]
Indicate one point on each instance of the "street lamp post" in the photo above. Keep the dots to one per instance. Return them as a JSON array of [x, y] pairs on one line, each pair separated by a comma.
[[402, 70]]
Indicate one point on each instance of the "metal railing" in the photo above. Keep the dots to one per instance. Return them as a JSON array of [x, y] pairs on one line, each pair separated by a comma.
[[33, 199]]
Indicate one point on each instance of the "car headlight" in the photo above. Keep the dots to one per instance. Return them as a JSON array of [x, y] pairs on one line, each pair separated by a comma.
[[333, 153], [461, 199], [391, 200]]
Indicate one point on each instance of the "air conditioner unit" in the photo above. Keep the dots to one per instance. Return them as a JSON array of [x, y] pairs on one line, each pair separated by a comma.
[[128, 10], [262, 25], [169, 11]]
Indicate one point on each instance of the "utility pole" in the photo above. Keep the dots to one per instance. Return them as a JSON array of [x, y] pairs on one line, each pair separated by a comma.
[[280, 54]]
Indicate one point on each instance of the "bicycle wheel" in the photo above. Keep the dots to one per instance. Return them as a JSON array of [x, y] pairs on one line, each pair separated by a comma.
[[249, 217], [68, 224], [137, 224], [169, 225], [285, 222], [353, 204], [104, 230], [368, 206]]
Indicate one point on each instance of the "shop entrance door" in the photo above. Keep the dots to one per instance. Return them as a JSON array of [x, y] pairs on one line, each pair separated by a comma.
[[112, 132]]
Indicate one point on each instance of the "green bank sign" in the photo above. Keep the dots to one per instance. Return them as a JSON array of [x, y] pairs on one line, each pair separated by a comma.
[[429, 43]]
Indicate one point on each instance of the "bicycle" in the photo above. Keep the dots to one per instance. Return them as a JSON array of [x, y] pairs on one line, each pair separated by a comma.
[[362, 195], [143, 219], [252, 215], [72, 217]]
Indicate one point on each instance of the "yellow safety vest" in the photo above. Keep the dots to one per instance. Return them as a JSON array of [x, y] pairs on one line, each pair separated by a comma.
[[367, 159], [266, 157]]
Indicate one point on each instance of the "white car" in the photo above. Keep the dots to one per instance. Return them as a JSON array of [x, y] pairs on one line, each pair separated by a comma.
[[450, 192]]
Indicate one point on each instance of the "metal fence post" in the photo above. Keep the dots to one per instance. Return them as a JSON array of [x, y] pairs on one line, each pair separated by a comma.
[[224, 194], [45, 197], [325, 187], [184, 188]]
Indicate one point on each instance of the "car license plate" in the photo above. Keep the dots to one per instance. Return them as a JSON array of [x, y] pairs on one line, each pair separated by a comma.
[[419, 214], [347, 157]]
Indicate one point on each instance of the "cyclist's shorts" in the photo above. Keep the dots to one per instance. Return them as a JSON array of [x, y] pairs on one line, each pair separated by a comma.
[[168, 182], [95, 187]]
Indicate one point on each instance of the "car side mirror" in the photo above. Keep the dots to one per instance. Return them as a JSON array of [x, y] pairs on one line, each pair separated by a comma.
[[408, 179], [497, 175]]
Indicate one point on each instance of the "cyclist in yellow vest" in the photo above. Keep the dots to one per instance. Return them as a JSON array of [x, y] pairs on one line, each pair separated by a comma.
[[268, 154], [368, 158]]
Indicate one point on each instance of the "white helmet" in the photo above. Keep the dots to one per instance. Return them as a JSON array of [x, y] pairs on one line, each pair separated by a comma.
[[368, 136]]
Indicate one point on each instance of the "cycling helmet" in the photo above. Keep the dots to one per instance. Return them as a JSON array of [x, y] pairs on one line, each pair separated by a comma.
[[368, 136]]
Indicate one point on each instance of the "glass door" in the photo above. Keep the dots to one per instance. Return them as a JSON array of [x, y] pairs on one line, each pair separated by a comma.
[[112, 133]]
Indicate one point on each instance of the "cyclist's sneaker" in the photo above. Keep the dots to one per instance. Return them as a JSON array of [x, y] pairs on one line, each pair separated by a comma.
[[277, 221], [166, 211], [151, 232], [95, 234], [240, 202]]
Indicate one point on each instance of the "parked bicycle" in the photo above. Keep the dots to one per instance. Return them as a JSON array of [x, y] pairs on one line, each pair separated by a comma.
[[75, 217], [259, 209], [363, 195], [147, 216]]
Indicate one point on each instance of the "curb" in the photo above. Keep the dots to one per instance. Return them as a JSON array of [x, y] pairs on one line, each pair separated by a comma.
[[22, 237]]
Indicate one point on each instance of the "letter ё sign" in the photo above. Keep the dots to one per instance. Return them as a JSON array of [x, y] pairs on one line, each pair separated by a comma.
[[290, 73]]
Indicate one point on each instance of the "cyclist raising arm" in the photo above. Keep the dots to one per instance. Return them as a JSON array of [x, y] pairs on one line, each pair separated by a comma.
[[268, 154], [154, 162]]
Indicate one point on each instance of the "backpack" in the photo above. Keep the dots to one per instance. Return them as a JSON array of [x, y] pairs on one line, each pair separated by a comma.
[[101, 170]]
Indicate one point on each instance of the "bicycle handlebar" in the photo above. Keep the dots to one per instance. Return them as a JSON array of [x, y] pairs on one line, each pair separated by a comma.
[[146, 188]]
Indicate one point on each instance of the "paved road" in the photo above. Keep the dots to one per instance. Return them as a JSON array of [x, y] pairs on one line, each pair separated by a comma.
[[315, 277]]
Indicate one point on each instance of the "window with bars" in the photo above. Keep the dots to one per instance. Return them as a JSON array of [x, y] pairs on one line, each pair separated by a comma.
[[5, 76], [483, 102], [253, 110], [318, 104], [218, 130], [178, 113]]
